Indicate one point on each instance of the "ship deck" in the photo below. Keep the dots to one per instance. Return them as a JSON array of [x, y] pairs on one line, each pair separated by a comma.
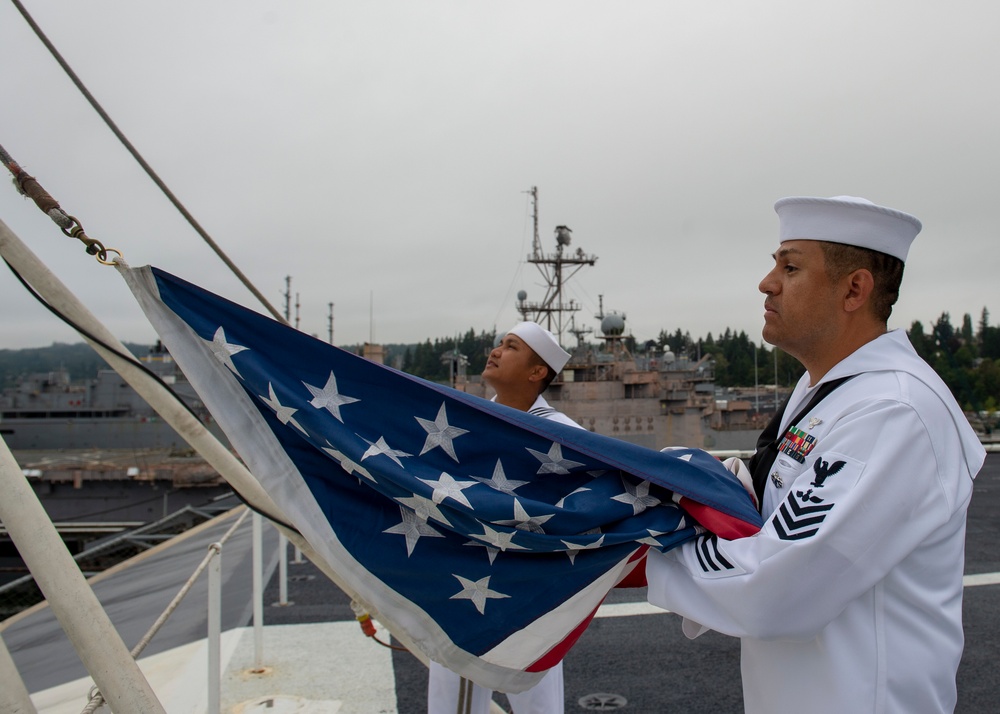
[[315, 658]]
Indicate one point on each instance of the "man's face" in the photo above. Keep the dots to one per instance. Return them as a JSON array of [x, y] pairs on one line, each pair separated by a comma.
[[510, 362], [802, 307]]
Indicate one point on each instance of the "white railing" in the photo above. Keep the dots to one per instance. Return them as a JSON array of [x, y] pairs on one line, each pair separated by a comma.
[[213, 563], [74, 604]]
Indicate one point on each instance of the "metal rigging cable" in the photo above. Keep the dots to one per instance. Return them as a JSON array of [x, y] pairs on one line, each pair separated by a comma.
[[142, 162]]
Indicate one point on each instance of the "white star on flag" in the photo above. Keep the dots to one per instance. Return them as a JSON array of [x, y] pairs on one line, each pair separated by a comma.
[[424, 508], [348, 465], [329, 398], [380, 447], [440, 433], [491, 551], [500, 482], [585, 546], [523, 522], [412, 527], [499, 539], [224, 351], [561, 503], [283, 413], [553, 462], [637, 496], [479, 592], [448, 487], [651, 538], [574, 548]]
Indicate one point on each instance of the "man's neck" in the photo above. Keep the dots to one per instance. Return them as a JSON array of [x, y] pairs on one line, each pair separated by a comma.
[[844, 348], [517, 400]]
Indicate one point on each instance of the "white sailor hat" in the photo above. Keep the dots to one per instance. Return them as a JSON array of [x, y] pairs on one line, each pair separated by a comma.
[[542, 342], [847, 219]]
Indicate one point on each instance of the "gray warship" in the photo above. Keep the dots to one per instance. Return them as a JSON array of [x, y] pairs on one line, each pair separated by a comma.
[[101, 461], [46, 410]]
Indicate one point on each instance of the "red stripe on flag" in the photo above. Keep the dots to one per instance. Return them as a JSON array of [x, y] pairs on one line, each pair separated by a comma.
[[555, 655], [717, 522]]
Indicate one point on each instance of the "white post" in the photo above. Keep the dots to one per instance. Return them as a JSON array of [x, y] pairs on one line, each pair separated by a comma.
[[297, 560], [215, 630], [14, 696], [258, 591], [73, 603], [282, 570], [15, 252]]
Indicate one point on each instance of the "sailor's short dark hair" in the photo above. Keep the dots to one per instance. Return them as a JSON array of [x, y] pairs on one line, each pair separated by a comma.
[[887, 272]]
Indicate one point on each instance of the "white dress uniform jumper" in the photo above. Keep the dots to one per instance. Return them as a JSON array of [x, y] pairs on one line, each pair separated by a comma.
[[850, 597]]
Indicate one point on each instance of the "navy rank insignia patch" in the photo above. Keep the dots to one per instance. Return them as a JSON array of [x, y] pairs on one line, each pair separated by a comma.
[[797, 444], [800, 515], [712, 560], [797, 518]]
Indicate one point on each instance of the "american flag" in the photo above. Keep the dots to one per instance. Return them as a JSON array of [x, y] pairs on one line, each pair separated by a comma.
[[489, 536]]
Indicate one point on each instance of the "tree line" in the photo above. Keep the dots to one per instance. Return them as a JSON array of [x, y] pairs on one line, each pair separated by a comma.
[[967, 357], [79, 359]]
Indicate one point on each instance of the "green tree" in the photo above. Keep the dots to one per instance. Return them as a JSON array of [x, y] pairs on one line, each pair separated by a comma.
[[988, 337], [922, 343], [789, 369], [967, 335], [945, 338], [987, 384]]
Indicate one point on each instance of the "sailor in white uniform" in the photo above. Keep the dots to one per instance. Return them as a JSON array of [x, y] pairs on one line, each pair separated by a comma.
[[519, 369], [850, 597]]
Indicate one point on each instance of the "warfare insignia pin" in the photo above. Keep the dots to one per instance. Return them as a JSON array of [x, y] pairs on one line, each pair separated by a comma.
[[776, 480], [814, 422]]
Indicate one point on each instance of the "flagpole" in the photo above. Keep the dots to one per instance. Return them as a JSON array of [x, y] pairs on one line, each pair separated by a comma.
[[57, 295], [74, 604]]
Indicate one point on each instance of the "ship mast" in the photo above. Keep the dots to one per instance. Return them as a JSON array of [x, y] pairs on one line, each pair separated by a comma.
[[556, 268]]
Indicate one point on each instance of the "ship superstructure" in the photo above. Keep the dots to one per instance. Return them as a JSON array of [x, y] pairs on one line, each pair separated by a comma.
[[654, 399]]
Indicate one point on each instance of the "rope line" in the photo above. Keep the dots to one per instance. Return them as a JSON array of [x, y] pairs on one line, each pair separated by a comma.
[[142, 162]]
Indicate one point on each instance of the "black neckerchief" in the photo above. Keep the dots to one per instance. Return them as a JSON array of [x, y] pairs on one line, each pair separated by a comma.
[[769, 441]]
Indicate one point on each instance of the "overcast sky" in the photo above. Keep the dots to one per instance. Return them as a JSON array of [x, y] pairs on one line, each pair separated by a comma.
[[379, 153]]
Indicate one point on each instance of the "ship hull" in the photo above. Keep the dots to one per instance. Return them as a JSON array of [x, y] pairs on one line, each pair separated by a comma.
[[129, 432]]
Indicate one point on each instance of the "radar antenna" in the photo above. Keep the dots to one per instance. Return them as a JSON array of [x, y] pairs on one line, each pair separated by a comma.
[[556, 268]]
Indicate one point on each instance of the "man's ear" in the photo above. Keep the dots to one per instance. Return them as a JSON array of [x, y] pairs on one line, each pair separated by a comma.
[[858, 288], [537, 373]]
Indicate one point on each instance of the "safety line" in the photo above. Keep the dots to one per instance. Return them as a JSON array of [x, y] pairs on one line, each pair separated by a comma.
[[142, 162]]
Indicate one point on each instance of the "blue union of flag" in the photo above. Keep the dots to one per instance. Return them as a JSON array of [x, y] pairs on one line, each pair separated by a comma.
[[487, 535]]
